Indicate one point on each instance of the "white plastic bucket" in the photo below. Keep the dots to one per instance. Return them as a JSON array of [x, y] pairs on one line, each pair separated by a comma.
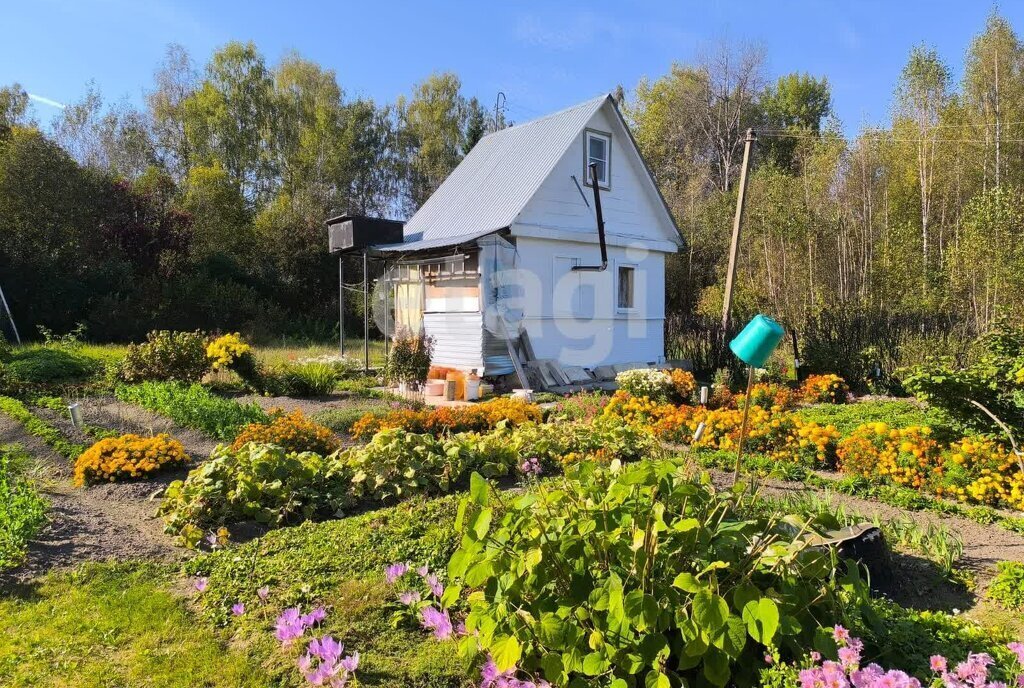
[[472, 390]]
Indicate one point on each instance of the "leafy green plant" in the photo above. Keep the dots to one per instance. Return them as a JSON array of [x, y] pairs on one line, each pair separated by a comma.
[[409, 359], [165, 355], [934, 541], [637, 575], [341, 420], [35, 425], [310, 379], [194, 407], [602, 439], [22, 510], [257, 482], [50, 365], [1007, 588]]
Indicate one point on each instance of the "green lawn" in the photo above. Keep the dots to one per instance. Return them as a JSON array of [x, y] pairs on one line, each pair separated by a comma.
[[114, 625]]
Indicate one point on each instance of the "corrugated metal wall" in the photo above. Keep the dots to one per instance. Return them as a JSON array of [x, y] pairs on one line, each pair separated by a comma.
[[458, 339]]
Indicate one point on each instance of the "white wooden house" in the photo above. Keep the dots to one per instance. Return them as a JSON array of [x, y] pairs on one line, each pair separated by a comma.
[[494, 249]]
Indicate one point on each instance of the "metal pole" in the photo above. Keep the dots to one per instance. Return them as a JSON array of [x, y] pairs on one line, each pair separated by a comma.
[[366, 312], [734, 249], [341, 304], [387, 313]]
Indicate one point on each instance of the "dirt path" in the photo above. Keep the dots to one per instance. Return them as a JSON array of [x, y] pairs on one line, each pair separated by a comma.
[[95, 524], [984, 545]]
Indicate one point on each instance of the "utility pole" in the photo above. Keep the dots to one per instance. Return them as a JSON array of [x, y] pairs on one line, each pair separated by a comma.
[[366, 312], [734, 249]]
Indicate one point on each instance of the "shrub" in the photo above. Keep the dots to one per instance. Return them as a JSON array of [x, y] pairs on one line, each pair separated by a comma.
[[625, 575], [258, 482], [226, 350], [293, 431], [22, 510], [824, 389], [6, 350], [646, 382], [50, 365], [396, 463], [128, 457], [310, 379], [769, 395], [409, 359], [447, 419], [193, 406], [684, 384], [1007, 588], [165, 355], [602, 439], [580, 406]]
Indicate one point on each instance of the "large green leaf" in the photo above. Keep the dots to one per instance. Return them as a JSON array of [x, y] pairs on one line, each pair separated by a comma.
[[762, 619], [506, 652]]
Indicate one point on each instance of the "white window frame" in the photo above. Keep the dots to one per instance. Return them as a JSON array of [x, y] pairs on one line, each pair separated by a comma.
[[589, 134], [632, 308]]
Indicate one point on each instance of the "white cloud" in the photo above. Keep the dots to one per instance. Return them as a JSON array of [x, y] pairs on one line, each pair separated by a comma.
[[46, 101]]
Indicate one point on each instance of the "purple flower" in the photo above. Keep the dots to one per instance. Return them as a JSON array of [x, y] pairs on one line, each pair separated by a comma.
[[326, 649], [395, 571], [409, 598], [289, 625], [437, 621], [237, 609], [1017, 649], [434, 585], [423, 571], [530, 467], [351, 663], [212, 540], [314, 617], [263, 593], [200, 584]]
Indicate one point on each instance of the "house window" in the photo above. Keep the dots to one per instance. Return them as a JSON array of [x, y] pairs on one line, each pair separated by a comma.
[[625, 300], [598, 149]]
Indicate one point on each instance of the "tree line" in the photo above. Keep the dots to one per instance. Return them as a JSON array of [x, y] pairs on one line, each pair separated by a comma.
[[902, 242], [205, 207]]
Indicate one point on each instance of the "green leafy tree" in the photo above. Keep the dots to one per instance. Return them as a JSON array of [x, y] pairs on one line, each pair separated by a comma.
[[433, 126]]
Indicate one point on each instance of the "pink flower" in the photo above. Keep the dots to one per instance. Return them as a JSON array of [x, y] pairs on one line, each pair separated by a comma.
[[423, 571], [849, 657], [437, 621], [237, 609], [768, 659], [434, 585], [1017, 649], [200, 584], [815, 656], [263, 593], [395, 571], [840, 634], [351, 663], [938, 663]]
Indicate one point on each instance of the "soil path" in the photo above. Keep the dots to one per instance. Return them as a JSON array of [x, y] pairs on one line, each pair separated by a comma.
[[105, 522], [984, 545]]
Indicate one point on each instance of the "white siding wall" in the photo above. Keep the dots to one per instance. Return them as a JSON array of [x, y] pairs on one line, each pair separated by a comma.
[[629, 208], [574, 316]]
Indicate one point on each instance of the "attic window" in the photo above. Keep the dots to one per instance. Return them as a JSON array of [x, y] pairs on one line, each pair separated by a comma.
[[597, 149]]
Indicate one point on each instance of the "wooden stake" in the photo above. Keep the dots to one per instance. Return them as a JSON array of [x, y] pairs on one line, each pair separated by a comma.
[[743, 425], [734, 248]]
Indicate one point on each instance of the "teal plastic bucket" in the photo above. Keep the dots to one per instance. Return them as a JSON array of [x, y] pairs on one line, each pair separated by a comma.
[[755, 344]]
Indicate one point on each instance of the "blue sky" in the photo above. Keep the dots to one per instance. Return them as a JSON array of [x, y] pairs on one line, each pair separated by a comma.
[[543, 55]]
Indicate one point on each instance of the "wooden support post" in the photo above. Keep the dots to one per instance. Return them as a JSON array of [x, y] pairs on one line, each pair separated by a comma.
[[734, 248], [743, 425]]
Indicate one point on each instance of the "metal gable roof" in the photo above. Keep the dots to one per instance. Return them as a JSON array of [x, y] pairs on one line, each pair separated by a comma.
[[492, 184]]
